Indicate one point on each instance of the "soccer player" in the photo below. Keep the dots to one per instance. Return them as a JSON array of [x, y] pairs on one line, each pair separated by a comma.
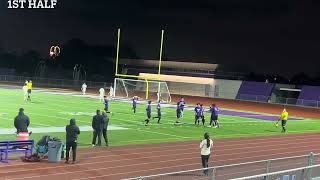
[[134, 103], [178, 113], [159, 112], [84, 88], [284, 119], [182, 103], [25, 92], [101, 94], [197, 114], [111, 92], [214, 116], [106, 104], [29, 90], [148, 109], [202, 109]]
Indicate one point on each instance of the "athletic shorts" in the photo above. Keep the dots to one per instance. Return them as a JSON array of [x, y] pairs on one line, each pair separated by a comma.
[[178, 114], [159, 114], [283, 122], [214, 118], [29, 91], [149, 115]]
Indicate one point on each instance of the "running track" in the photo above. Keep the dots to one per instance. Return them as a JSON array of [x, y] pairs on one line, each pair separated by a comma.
[[135, 160]]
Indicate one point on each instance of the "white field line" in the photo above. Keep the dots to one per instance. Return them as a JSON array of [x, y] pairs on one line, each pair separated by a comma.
[[87, 122], [39, 124], [90, 104], [226, 117], [76, 94]]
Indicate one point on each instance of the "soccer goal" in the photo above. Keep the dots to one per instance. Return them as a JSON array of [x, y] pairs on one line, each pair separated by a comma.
[[145, 89]]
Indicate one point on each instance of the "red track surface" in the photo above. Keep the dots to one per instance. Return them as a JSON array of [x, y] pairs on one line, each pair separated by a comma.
[[136, 160]]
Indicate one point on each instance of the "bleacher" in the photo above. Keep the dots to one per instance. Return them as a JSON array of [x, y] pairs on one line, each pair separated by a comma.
[[255, 91], [309, 96]]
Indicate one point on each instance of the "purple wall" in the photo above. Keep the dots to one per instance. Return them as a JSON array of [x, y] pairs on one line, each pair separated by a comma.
[[309, 96], [256, 91]]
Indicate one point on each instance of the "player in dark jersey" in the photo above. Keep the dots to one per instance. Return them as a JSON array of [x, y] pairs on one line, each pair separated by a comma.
[[159, 112], [197, 114], [148, 109], [182, 103], [106, 104], [134, 104], [178, 111], [214, 116], [202, 109]]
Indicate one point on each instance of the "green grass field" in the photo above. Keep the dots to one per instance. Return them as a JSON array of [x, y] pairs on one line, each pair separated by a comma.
[[51, 110]]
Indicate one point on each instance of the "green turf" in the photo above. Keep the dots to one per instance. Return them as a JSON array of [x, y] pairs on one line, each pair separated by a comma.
[[48, 110]]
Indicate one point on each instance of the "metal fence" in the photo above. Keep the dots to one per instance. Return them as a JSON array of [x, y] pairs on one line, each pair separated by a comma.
[[279, 100], [251, 97], [303, 173], [233, 171], [47, 82]]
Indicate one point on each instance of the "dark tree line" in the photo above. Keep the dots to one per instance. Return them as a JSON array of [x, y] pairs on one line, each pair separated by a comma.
[[98, 62]]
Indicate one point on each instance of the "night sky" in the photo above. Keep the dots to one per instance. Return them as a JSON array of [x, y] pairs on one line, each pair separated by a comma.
[[267, 36]]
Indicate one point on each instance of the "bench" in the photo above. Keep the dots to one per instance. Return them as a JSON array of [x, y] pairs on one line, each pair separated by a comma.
[[7, 147]]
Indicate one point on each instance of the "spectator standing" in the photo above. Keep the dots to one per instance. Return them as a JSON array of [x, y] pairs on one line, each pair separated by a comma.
[[105, 120], [72, 132], [205, 146], [97, 128]]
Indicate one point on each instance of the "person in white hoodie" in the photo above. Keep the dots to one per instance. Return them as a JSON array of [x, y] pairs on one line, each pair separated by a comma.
[[84, 88], [25, 92], [101, 94], [205, 146]]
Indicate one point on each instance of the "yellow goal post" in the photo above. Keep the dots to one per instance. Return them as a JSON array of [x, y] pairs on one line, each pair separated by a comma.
[[126, 77]]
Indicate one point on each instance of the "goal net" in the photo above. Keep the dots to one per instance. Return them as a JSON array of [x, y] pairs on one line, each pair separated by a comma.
[[148, 90]]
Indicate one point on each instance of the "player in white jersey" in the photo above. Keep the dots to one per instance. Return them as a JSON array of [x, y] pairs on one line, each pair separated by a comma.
[[25, 92], [111, 92], [101, 94], [84, 88]]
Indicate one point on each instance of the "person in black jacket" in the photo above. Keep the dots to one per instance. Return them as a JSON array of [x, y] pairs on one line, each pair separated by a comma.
[[105, 127], [97, 122], [21, 122], [72, 132]]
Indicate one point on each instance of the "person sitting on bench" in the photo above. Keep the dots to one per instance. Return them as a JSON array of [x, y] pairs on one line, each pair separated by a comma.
[[22, 122]]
